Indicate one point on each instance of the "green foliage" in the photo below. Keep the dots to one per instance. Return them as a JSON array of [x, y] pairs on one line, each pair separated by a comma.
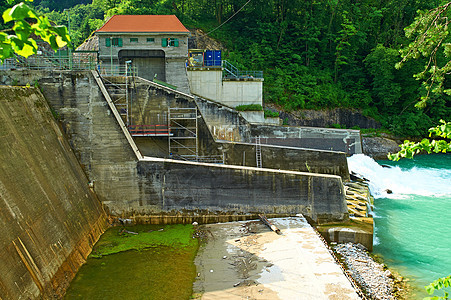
[[249, 107], [409, 148], [430, 30], [285, 121], [314, 54], [338, 126], [271, 114], [385, 89], [441, 283], [27, 22]]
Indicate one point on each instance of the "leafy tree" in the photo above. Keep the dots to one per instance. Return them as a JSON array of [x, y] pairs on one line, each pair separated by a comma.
[[315, 54], [441, 283], [59, 5], [27, 22], [409, 148], [430, 30]]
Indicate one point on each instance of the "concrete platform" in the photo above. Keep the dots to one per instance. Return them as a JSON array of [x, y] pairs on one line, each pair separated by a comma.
[[245, 260]]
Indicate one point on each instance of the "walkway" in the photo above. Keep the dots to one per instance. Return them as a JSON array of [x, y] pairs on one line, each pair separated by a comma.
[[245, 260]]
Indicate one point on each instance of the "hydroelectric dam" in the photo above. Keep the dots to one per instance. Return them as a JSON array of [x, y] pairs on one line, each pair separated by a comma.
[[71, 163]]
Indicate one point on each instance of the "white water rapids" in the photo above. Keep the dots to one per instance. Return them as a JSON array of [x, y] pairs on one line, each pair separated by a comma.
[[401, 181]]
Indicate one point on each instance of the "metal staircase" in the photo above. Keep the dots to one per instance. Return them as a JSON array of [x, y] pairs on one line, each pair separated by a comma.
[[230, 69], [120, 97]]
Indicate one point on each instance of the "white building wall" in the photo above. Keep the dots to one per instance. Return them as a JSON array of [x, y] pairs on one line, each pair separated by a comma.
[[208, 83]]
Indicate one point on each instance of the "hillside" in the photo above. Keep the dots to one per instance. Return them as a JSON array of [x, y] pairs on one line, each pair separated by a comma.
[[315, 54]]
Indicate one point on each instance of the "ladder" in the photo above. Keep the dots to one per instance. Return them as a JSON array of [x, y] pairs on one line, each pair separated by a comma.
[[258, 152]]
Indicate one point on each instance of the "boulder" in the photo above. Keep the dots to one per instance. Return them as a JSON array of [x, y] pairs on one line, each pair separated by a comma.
[[379, 147]]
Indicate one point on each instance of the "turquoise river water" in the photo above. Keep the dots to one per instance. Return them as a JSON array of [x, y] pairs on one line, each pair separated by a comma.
[[413, 224]]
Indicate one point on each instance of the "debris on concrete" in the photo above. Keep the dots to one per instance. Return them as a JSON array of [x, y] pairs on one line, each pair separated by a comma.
[[269, 224], [262, 265]]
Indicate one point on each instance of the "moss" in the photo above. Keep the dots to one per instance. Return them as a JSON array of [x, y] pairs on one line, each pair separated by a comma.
[[117, 239], [156, 263], [249, 107]]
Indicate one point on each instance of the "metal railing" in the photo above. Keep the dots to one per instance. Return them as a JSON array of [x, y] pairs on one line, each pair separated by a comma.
[[149, 130], [232, 72], [117, 70], [45, 62], [212, 159]]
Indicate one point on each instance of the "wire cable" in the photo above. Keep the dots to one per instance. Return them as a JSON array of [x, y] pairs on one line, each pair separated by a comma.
[[228, 18]]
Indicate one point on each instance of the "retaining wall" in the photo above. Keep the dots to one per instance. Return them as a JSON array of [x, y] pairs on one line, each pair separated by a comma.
[[287, 158], [345, 140], [49, 216], [202, 188], [209, 83]]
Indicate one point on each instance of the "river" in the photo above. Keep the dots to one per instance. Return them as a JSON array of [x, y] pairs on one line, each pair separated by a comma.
[[412, 224]]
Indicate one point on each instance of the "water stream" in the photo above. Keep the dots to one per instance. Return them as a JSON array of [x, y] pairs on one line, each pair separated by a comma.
[[412, 224]]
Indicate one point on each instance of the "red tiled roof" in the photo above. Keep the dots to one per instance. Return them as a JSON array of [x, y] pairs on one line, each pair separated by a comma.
[[143, 23]]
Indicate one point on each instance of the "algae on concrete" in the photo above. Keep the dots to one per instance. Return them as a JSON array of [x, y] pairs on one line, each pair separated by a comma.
[[155, 263], [119, 239]]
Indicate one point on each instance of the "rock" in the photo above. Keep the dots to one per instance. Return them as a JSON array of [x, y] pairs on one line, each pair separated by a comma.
[[361, 247], [379, 147], [357, 177], [370, 275]]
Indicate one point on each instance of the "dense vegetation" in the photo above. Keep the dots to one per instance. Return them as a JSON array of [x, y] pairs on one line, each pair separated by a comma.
[[314, 53]]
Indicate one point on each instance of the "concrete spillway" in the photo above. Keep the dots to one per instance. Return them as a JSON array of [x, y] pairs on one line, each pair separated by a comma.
[[245, 260]]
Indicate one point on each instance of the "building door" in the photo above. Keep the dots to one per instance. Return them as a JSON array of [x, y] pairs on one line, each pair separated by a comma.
[[150, 63]]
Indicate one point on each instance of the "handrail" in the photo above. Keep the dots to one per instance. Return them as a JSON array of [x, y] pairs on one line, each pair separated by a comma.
[[230, 71], [116, 114]]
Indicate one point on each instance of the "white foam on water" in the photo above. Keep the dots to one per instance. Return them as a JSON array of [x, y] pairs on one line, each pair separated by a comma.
[[402, 182]]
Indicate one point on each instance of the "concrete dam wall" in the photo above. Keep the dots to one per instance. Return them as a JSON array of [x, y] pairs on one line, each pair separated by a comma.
[[49, 216], [208, 187], [131, 186]]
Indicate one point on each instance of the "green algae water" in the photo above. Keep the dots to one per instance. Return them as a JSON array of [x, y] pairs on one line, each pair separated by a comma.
[[412, 225], [156, 263]]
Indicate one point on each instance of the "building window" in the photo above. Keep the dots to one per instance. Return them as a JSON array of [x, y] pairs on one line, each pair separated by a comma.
[[150, 40], [133, 40], [170, 42], [116, 42]]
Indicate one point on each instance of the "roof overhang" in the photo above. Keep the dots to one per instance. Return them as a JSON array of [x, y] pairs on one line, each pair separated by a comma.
[[141, 33]]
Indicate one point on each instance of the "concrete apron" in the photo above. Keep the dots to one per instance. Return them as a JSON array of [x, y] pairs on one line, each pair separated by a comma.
[[245, 260]]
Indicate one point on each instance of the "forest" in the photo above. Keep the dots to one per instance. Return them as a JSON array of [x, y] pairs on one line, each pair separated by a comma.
[[315, 54]]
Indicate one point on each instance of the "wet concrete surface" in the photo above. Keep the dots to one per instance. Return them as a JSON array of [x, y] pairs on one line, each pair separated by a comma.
[[246, 260]]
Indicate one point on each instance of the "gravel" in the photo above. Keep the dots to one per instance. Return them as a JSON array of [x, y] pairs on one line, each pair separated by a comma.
[[377, 282]]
